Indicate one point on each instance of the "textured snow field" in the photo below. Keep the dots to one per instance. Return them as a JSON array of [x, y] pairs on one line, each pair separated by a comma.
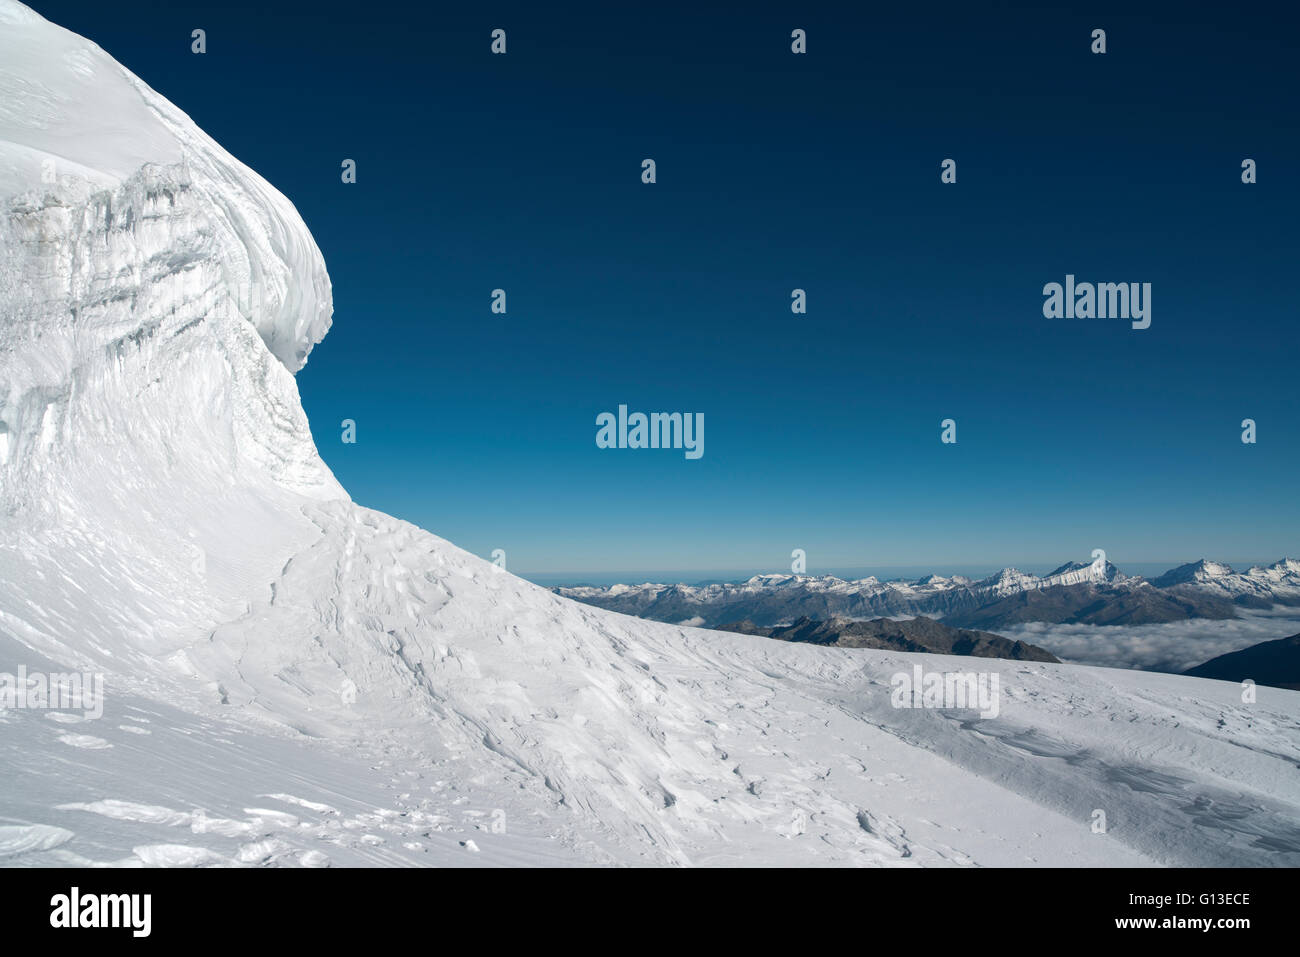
[[293, 680], [596, 738], [179, 788], [718, 752]]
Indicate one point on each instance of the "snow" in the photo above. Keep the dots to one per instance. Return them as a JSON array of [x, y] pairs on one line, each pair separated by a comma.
[[294, 680], [25, 838], [937, 596], [67, 102]]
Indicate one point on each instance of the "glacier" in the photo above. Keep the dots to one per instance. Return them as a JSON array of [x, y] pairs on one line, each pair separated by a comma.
[[293, 679]]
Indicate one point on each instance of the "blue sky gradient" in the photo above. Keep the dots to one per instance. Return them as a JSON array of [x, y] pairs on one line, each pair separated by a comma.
[[778, 171]]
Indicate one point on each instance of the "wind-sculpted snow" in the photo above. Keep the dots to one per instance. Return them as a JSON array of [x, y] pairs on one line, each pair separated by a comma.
[[75, 124], [155, 294], [294, 680]]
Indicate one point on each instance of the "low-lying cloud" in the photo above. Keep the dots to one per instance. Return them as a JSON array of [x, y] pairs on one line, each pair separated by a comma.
[[1172, 646]]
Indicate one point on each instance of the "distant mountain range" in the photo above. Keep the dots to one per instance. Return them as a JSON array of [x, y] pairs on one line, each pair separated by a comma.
[[1077, 592], [1273, 663], [912, 634]]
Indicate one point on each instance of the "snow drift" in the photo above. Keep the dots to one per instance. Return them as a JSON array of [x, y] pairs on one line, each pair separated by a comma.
[[165, 519]]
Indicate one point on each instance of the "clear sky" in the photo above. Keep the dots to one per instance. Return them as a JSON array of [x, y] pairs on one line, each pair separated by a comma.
[[777, 171]]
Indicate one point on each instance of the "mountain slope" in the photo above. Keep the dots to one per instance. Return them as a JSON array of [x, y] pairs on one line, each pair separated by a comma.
[[166, 520], [1272, 663], [910, 634], [1075, 593]]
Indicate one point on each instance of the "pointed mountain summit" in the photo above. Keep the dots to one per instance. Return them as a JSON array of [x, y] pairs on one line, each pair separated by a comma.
[[1196, 572]]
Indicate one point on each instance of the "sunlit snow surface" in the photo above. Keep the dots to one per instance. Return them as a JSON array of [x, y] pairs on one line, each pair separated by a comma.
[[295, 680]]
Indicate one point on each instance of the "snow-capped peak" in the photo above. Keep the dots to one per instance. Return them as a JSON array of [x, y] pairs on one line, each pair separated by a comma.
[[1067, 568], [1202, 570]]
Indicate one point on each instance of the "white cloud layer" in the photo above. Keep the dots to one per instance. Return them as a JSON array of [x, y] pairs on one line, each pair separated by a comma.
[[1173, 646]]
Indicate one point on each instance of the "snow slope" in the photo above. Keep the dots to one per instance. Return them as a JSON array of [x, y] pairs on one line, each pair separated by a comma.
[[295, 680]]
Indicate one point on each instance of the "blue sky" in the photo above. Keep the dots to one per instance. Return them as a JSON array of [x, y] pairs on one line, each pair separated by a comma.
[[778, 171]]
